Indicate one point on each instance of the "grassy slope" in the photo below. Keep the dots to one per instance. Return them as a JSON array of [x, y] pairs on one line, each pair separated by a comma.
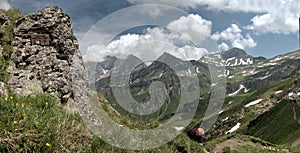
[[278, 124], [39, 124]]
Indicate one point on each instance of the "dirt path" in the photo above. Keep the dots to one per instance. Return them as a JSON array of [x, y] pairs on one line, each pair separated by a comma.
[[233, 143], [295, 115], [297, 142]]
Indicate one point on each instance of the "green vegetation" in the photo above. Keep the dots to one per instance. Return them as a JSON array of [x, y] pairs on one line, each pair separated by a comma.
[[38, 124], [6, 38], [249, 148], [279, 125]]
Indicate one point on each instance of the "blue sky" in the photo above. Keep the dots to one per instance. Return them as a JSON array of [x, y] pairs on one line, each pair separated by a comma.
[[262, 27]]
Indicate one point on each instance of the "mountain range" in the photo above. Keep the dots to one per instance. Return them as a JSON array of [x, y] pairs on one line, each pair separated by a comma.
[[40, 55], [262, 95]]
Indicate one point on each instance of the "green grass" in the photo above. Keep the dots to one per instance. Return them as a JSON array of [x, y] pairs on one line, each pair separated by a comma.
[[6, 38], [40, 124], [277, 125], [28, 124], [251, 149]]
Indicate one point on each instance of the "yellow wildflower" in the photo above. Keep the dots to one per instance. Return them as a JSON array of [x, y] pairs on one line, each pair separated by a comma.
[[11, 97], [24, 115], [48, 144], [136, 129], [5, 99], [47, 104], [15, 122], [23, 104], [17, 104]]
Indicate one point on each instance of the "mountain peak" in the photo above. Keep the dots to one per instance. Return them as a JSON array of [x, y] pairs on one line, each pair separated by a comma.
[[235, 52], [166, 56]]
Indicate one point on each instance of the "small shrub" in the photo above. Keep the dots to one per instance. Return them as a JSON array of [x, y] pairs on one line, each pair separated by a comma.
[[226, 150]]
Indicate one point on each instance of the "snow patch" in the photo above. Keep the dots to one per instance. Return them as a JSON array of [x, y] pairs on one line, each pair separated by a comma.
[[179, 128], [242, 62], [220, 112], [236, 92], [253, 72], [249, 61], [253, 102], [291, 94], [278, 92], [235, 63], [267, 64], [161, 74], [221, 75], [189, 71], [246, 90], [276, 59], [227, 72], [229, 59], [262, 78], [234, 128], [230, 77], [225, 119], [197, 70]]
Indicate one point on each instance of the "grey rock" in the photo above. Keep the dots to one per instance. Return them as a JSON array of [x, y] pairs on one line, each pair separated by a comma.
[[4, 19], [3, 90], [39, 64], [1, 51]]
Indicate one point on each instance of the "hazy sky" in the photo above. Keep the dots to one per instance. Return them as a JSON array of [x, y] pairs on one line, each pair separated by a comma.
[[261, 27]]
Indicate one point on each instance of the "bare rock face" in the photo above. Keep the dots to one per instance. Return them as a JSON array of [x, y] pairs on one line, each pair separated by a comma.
[[45, 50], [0, 51], [4, 19], [3, 90]]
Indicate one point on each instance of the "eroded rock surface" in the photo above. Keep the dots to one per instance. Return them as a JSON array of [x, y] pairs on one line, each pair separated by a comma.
[[45, 49]]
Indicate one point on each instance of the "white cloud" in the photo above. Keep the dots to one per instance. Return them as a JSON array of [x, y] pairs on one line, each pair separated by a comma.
[[194, 27], [274, 16], [4, 5], [281, 18], [156, 41], [233, 34], [223, 46], [176, 3], [147, 47]]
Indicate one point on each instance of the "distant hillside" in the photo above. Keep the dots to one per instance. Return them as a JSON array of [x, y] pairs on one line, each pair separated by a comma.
[[279, 125]]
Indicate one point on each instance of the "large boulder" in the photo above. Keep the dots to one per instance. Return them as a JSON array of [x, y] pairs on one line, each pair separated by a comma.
[[45, 50]]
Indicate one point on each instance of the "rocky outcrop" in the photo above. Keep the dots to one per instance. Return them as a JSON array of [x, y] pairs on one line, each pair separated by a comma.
[[3, 90], [0, 51], [4, 19], [45, 50]]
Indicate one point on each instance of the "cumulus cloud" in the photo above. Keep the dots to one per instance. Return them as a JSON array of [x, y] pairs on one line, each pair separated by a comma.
[[233, 34], [194, 27], [4, 5], [274, 16], [176, 3], [174, 39], [281, 18], [223, 46]]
